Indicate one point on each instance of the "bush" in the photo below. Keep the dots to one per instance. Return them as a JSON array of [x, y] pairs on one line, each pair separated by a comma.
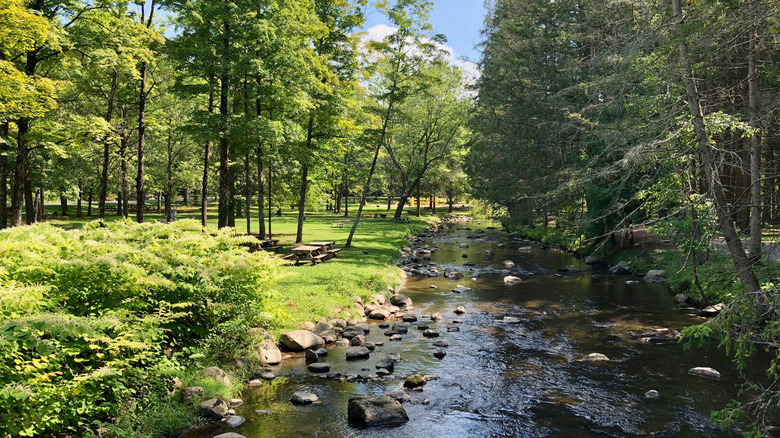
[[88, 317]]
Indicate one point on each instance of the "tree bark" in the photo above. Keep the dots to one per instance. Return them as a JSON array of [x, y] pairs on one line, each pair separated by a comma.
[[248, 193], [125, 186], [119, 200], [756, 201], [106, 144], [169, 177], [204, 202], [40, 205], [89, 203], [4, 175], [725, 222], [140, 193], [224, 171], [186, 197], [304, 183], [78, 200], [64, 205]]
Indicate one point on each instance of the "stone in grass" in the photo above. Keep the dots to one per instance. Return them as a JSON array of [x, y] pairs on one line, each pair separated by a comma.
[[705, 372], [319, 367], [354, 353], [190, 393], [375, 410], [217, 374], [213, 409], [414, 381], [303, 398]]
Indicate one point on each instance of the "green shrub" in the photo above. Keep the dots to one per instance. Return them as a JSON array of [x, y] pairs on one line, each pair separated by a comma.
[[89, 318]]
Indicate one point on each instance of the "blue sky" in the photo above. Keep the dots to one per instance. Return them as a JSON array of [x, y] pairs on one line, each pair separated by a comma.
[[460, 20]]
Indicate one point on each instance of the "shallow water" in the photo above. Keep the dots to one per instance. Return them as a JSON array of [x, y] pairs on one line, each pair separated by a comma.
[[517, 380]]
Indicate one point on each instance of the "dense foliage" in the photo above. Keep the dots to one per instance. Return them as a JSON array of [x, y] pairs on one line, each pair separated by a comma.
[[89, 315]]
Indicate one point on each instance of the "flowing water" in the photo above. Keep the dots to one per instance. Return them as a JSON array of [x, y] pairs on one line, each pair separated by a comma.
[[521, 379]]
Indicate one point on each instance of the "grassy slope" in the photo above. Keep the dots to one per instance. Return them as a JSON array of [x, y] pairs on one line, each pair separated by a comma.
[[307, 293]]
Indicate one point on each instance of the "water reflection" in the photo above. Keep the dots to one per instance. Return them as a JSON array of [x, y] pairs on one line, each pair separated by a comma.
[[521, 379]]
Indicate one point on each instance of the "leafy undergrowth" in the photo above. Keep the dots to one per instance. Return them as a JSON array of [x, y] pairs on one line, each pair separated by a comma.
[[95, 323]]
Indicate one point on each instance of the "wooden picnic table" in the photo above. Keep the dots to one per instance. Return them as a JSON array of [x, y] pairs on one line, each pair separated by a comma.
[[326, 245], [309, 253]]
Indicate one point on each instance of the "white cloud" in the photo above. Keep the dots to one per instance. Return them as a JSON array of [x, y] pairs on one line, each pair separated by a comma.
[[470, 69]]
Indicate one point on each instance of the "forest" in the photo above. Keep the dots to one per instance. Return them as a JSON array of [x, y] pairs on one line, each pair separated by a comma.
[[591, 124]]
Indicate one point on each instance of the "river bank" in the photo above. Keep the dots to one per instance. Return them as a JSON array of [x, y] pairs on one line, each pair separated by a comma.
[[509, 359]]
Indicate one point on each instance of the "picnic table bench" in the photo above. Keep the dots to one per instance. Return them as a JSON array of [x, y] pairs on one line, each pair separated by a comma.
[[314, 252]]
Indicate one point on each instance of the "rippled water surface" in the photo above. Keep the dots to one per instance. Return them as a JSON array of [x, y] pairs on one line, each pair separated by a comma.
[[523, 379]]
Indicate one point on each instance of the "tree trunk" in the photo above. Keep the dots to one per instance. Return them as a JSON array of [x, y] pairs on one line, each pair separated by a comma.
[[304, 183], [433, 204], [725, 222], [389, 202], [755, 152], [119, 200], [125, 186], [64, 205], [224, 172], [270, 175], [41, 205], [169, 177], [260, 192], [186, 200], [106, 144], [4, 175], [418, 200], [204, 202], [248, 177], [21, 177], [78, 202], [140, 193], [89, 203], [159, 202]]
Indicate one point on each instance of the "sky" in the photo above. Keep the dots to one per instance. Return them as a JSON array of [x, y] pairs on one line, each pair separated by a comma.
[[459, 20]]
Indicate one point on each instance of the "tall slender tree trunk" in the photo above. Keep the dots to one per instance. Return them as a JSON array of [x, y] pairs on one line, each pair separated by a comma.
[[106, 144], [78, 200], [64, 204], [159, 202], [248, 193], [270, 175], [224, 171], [140, 193], [186, 197], [119, 199], [725, 221], [21, 178], [756, 201], [125, 186], [169, 177], [89, 203], [40, 206], [4, 175], [419, 201], [304, 183], [204, 201], [389, 201]]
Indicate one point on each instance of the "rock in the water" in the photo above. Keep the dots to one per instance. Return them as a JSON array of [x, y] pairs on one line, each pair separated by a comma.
[[657, 276], [453, 329], [652, 394], [357, 341], [396, 337], [414, 381], [631, 282], [218, 375], [190, 393], [268, 352], [329, 336], [453, 275], [319, 367], [399, 395], [592, 260], [375, 410], [213, 409], [571, 269], [595, 357], [681, 300], [508, 320], [460, 310], [409, 318], [422, 326], [254, 383], [441, 343], [705, 372], [387, 364], [267, 376], [229, 435], [436, 317], [300, 340], [311, 355], [380, 314], [322, 352], [357, 353], [440, 353], [235, 420], [433, 286], [509, 264], [321, 328], [461, 289], [402, 329], [511, 279], [303, 398], [400, 300], [713, 310], [621, 268], [431, 334]]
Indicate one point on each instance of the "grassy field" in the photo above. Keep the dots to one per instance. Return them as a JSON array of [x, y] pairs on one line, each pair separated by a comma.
[[306, 292]]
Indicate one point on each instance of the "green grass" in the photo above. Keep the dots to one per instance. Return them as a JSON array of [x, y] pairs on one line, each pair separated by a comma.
[[306, 292]]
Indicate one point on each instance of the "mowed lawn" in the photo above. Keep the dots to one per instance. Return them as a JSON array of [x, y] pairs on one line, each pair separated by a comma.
[[309, 292]]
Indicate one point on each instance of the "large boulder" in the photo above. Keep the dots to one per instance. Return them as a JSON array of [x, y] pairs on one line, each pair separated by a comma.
[[300, 340], [400, 300], [303, 398], [375, 410], [217, 374], [213, 409], [380, 314], [268, 352], [354, 353], [657, 276], [321, 328], [190, 393]]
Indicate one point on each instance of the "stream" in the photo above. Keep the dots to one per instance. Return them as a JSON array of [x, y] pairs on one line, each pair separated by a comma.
[[521, 379]]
